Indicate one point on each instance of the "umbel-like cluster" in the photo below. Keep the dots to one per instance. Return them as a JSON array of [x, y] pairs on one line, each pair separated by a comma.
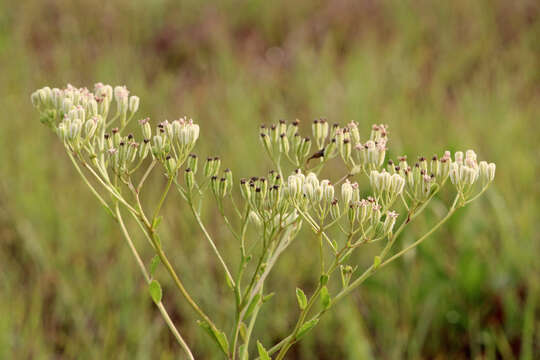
[[341, 212], [82, 119]]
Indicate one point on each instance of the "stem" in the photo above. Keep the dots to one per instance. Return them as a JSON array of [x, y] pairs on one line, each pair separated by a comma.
[[162, 199], [286, 343], [94, 191], [148, 279], [212, 244]]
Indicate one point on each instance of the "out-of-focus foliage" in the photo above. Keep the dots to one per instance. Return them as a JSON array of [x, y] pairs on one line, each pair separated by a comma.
[[465, 73]]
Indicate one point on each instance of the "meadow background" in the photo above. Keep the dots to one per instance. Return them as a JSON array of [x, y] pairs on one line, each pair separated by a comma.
[[442, 74]]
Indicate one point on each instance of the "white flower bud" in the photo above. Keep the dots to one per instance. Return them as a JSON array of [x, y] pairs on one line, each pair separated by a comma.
[[389, 222], [491, 171], [133, 104], [346, 192], [397, 183], [327, 191], [458, 157]]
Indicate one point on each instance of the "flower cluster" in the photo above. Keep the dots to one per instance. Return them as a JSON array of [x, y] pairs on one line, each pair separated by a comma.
[[80, 118], [464, 172]]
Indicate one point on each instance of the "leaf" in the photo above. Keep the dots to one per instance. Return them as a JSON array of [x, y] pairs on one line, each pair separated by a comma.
[[229, 283], [155, 291], [263, 354], [325, 298], [267, 297], [243, 331], [218, 336], [376, 262], [304, 329], [153, 264], [251, 306], [301, 297], [156, 222], [324, 279]]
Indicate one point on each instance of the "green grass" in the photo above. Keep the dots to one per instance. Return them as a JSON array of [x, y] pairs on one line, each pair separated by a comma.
[[464, 73]]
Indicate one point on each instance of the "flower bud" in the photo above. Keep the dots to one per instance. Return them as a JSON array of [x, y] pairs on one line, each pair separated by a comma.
[[209, 167], [355, 134], [192, 162], [245, 189], [189, 177], [133, 104], [327, 190], [223, 187], [216, 164], [229, 178], [491, 171], [284, 143], [389, 222], [334, 209], [346, 192]]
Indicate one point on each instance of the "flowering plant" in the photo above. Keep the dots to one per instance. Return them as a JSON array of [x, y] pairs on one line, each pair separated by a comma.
[[115, 167]]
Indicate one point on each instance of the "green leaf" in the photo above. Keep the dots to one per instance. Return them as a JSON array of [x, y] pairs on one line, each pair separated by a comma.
[[301, 297], [155, 291], [325, 298], [252, 305], [324, 279], [218, 336], [222, 341], [243, 331], [153, 264], [376, 262], [156, 222], [267, 297], [304, 329], [229, 283], [263, 354]]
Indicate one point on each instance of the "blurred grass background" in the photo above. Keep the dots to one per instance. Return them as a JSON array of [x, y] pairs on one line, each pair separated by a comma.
[[443, 74]]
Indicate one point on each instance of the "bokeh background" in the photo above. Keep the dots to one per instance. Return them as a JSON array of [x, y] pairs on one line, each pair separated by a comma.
[[442, 74]]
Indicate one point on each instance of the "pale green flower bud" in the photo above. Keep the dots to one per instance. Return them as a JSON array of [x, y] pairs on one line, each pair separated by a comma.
[[334, 209], [146, 128], [208, 169], [364, 211], [397, 183], [245, 189], [491, 171], [484, 172], [458, 157], [67, 105], [134, 104], [282, 127], [284, 143], [265, 139], [216, 164], [36, 99], [327, 190], [355, 134], [214, 183], [158, 145], [375, 213], [389, 222], [352, 213], [454, 173], [91, 126], [223, 187], [144, 149], [306, 147], [346, 192], [331, 149], [189, 178], [192, 162]]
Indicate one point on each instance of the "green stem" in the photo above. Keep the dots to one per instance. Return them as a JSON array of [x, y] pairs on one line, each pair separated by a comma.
[[148, 279]]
